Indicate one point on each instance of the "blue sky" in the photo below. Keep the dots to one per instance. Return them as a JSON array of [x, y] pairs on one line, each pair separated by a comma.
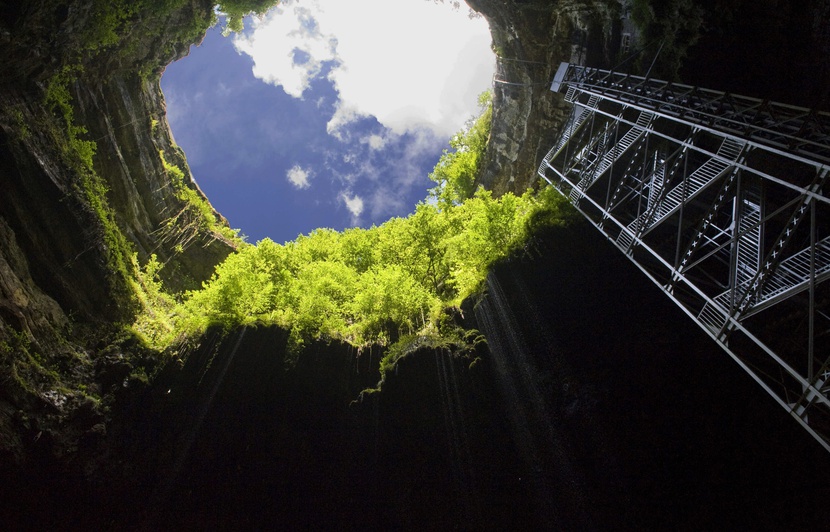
[[318, 116]]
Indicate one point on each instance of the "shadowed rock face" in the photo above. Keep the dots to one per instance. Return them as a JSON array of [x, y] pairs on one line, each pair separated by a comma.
[[59, 294], [594, 407], [50, 219], [765, 49], [530, 40]]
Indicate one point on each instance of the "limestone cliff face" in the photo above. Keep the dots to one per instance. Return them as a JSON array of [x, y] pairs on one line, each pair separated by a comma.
[[51, 231], [530, 39], [68, 222]]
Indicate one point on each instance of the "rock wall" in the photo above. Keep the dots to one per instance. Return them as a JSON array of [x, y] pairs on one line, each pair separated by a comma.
[[48, 218], [530, 39], [61, 301], [593, 406]]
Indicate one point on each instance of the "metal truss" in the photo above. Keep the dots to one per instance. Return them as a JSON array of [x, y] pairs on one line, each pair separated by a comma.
[[723, 202]]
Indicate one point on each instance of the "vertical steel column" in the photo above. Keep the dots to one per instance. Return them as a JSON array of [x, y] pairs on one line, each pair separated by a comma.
[[717, 266]]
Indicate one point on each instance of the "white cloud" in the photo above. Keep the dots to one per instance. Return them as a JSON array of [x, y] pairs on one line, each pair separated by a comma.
[[375, 142], [409, 63], [299, 177], [287, 48], [355, 205], [343, 115]]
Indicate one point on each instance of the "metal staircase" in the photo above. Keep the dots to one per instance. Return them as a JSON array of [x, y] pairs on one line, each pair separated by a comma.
[[748, 254], [724, 203], [611, 156], [791, 276], [696, 183], [575, 121]]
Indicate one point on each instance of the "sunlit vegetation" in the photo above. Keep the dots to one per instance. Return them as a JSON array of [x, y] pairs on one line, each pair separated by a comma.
[[197, 212], [237, 9], [390, 283], [457, 168], [361, 286]]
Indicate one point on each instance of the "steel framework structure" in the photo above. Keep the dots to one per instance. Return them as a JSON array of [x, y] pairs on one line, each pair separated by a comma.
[[722, 201]]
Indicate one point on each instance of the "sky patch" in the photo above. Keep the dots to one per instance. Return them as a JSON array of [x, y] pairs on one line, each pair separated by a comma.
[[411, 64], [299, 177], [318, 95]]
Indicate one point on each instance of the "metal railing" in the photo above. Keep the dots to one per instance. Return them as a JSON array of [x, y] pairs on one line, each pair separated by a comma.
[[722, 200]]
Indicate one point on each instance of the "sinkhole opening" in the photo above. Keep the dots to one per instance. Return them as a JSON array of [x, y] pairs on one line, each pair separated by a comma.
[[327, 114]]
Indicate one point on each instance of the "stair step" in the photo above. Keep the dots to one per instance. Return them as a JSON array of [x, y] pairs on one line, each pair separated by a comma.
[[791, 274], [712, 317], [624, 240]]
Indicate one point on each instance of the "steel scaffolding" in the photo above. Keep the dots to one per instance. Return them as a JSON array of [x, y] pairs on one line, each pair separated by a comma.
[[721, 200]]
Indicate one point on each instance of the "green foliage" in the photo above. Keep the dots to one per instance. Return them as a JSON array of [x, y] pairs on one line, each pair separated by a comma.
[[456, 170], [58, 101], [109, 22], [199, 212], [237, 9], [360, 286], [152, 325], [450, 339], [381, 285]]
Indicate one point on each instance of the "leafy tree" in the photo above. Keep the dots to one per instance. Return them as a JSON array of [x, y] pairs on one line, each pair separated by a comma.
[[365, 286], [389, 299], [237, 9], [457, 170]]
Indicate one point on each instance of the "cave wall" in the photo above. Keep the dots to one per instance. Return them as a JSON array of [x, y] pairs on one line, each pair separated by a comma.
[[594, 406], [764, 49], [531, 39], [127, 117], [48, 217], [61, 301]]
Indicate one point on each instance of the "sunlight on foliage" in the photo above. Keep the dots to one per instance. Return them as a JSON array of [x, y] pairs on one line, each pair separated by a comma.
[[365, 286], [198, 210], [237, 9], [361, 286], [456, 170], [152, 324]]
